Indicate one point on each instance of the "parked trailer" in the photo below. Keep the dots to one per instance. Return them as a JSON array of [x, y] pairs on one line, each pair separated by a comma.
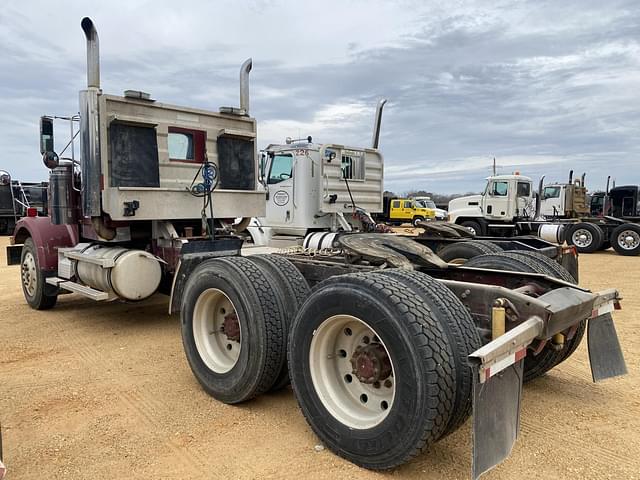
[[18, 199], [391, 350]]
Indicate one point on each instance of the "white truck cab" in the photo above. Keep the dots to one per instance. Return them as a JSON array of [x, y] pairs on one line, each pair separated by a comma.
[[565, 200], [319, 187], [505, 200], [312, 186]]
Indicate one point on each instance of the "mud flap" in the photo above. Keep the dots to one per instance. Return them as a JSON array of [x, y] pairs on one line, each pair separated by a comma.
[[605, 354], [497, 393], [496, 417]]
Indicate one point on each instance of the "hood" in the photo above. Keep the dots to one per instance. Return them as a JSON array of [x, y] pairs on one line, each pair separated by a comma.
[[465, 202]]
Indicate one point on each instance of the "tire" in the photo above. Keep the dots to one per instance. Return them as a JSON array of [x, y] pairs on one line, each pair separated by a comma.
[[417, 220], [460, 330], [534, 365], [293, 290], [238, 286], [37, 293], [459, 252], [586, 237], [554, 268], [402, 329], [473, 226], [625, 239]]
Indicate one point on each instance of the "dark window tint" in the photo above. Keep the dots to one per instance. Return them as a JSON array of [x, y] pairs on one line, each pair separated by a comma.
[[524, 189]]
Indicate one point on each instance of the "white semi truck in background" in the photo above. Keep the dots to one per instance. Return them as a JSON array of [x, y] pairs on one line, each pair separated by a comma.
[[509, 206]]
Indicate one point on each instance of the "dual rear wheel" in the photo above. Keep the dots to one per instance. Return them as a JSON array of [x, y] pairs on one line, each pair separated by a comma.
[[377, 360]]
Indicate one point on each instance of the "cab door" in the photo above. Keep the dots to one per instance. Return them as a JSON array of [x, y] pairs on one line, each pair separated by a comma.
[[407, 210], [395, 210], [551, 205], [280, 208], [496, 200]]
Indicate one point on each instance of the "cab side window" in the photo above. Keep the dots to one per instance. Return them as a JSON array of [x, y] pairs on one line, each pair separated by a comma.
[[499, 189], [407, 204], [395, 204], [281, 168], [551, 192], [524, 189]]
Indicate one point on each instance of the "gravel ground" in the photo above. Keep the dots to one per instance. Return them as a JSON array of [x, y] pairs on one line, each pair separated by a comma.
[[93, 391]]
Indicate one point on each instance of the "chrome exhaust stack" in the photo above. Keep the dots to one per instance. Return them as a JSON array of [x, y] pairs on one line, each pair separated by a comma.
[[93, 53], [377, 124], [90, 134], [243, 109], [244, 85]]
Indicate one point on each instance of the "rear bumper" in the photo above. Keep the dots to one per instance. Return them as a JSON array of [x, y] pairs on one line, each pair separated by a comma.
[[499, 365]]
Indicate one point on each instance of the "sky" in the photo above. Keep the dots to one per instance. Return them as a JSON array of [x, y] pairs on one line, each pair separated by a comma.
[[542, 86]]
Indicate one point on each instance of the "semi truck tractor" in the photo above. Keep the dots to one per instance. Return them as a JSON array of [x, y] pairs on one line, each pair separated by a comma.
[[508, 206], [392, 349]]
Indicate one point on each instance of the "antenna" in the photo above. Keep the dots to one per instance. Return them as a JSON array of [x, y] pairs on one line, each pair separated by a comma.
[[494, 166]]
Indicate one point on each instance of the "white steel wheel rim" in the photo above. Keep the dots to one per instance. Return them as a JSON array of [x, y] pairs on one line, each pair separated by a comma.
[[582, 237], [471, 229], [218, 352], [352, 402], [29, 274], [458, 261], [628, 239]]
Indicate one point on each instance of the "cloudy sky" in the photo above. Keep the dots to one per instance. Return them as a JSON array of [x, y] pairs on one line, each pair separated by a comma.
[[542, 86]]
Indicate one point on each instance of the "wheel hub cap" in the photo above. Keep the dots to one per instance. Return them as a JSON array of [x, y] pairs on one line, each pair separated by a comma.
[[629, 240], [29, 274], [582, 238], [371, 363], [231, 327], [216, 330], [352, 371]]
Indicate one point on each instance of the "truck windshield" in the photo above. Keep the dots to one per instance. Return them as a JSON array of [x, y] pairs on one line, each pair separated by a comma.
[[281, 166]]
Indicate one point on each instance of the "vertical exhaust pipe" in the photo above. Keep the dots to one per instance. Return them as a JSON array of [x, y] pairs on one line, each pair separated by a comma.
[[90, 135], [570, 176], [93, 53], [244, 85], [377, 124], [539, 198]]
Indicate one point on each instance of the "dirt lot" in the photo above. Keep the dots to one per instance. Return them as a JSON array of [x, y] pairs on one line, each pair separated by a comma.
[[93, 391]]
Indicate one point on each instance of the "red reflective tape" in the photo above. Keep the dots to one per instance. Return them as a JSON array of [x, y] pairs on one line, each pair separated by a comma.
[[487, 374], [520, 354]]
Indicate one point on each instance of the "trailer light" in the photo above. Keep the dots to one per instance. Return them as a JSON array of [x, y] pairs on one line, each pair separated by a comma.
[[32, 212]]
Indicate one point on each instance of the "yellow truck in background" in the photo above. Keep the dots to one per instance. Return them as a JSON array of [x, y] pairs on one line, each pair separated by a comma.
[[405, 210]]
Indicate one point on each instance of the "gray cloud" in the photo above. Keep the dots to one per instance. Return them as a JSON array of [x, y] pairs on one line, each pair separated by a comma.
[[543, 86]]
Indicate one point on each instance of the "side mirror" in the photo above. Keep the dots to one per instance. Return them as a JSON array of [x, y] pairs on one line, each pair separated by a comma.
[[46, 134], [49, 157]]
